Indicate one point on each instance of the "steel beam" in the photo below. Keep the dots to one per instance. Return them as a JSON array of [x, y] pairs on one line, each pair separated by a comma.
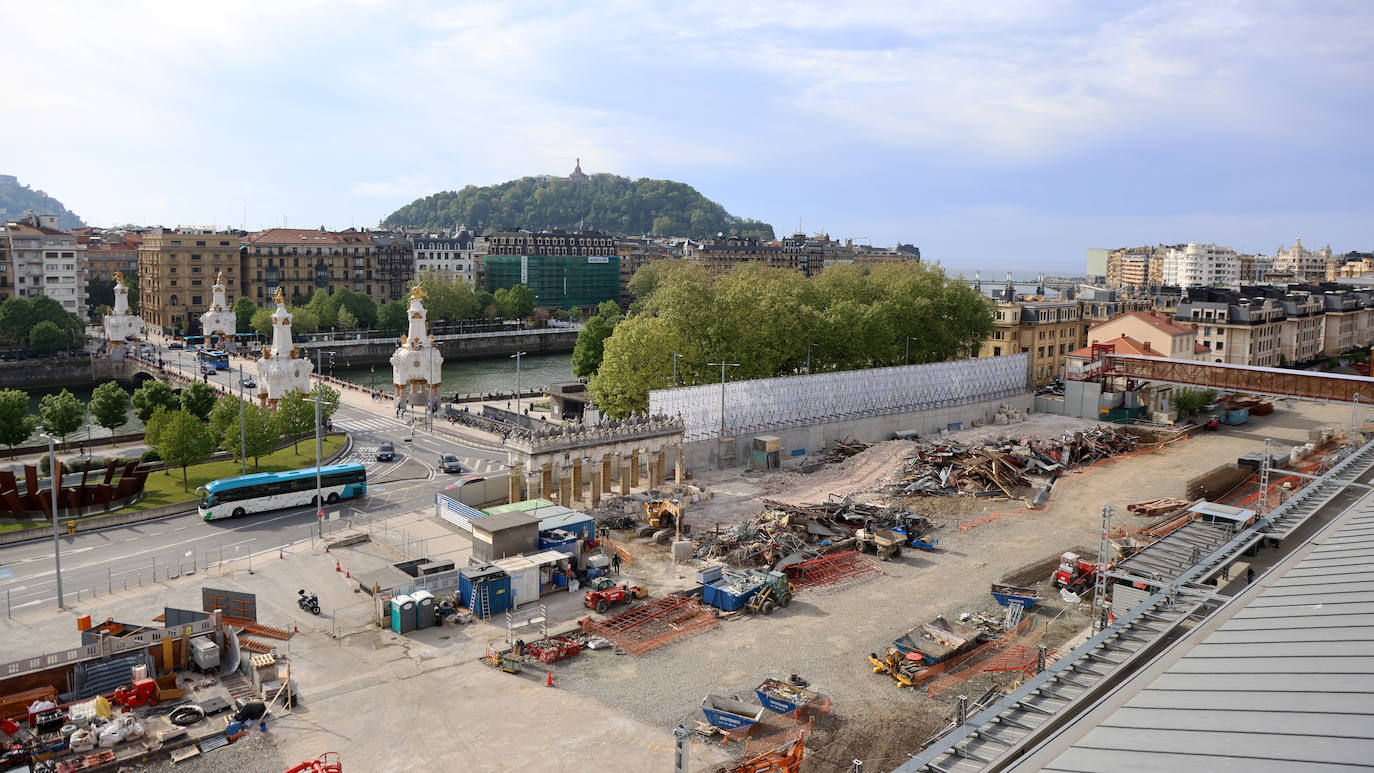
[[1278, 382]]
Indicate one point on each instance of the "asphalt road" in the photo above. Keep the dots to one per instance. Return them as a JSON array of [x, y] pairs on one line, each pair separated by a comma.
[[108, 559]]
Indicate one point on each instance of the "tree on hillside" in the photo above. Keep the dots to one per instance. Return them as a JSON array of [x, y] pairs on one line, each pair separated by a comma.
[[587, 353], [109, 406], [262, 322], [183, 441], [47, 338], [244, 309], [16, 423], [61, 414], [391, 318], [197, 398], [150, 396], [607, 202]]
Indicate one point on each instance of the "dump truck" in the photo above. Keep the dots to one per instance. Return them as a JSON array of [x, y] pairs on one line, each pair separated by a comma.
[[885, 543]]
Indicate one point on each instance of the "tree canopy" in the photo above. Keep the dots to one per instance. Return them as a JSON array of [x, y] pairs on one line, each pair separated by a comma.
[[197, 398], [607, 202], [182, 440], [260, 432], [586, 356], [109, 405], [150, 396], [770, 320], [22, 318], [16, 423], [61, 414], [244, 309], [516, 302]]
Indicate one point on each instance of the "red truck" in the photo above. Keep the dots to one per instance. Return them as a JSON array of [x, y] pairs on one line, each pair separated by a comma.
[[1075, 573]]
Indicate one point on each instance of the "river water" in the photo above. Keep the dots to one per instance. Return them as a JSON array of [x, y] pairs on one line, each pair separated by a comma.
[[474, 376]]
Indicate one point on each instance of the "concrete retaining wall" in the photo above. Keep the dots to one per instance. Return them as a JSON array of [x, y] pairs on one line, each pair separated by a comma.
[[458, 347], [813, 438]]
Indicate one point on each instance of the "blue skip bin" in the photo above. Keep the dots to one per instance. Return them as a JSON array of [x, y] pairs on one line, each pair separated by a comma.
[[785, 698], [1008, 594], [729, 713]]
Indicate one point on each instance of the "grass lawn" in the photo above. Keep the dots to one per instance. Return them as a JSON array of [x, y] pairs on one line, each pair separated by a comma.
[[164, 487]]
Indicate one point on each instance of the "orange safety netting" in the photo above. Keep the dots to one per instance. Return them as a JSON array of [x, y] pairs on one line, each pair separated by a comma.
[[959, 669]]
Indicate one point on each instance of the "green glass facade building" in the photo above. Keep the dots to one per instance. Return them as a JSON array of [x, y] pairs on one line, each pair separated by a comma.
[[558, 281]]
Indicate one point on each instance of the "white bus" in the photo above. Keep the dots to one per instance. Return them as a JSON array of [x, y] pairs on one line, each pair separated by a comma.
[[263, 491]]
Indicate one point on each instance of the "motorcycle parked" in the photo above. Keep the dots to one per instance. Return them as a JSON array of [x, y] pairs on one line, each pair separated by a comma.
[[309, 602]]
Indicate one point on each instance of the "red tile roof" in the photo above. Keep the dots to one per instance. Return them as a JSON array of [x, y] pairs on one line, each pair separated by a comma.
[[1160, 322], [1122, 345]]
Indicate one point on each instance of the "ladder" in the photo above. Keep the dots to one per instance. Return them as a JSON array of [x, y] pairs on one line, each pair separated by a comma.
[[1015, 611], [484, 611]]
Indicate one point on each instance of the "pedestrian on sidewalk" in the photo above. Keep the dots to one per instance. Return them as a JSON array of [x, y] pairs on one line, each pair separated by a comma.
[[1249, 575], [615, 562]]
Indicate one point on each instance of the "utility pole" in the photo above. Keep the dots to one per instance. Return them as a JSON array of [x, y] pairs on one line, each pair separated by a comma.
[[675, 356], [319, 443], [517, 357], [808, 358], [723, 366], [56, 540]]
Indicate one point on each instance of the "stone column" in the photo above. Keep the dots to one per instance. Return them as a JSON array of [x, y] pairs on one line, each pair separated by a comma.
[[650, 475], [596, 484], [605, 473], [624, 476], [536, 486], [634, 468], [515, 494], [661, 463], [678, 472], [546, 480], [577, 479], [565, 487]]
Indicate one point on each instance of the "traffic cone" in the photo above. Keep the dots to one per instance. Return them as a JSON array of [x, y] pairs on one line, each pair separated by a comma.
[[326, 548], [337, 568], [281, 555], [348, 575], [549, 682], [295, 629]]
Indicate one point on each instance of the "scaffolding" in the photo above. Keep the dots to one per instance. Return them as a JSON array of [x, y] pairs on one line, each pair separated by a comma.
[[792, 401]]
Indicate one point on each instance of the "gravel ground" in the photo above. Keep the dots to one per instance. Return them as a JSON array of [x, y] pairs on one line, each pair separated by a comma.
[[254, 753]]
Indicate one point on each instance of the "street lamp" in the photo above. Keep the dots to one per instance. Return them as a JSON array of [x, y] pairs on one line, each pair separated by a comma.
[[907, 359], [675, 356], [723, 366], [808, 358], [56, 541], [517, 357], [319, 442], [243, 442]]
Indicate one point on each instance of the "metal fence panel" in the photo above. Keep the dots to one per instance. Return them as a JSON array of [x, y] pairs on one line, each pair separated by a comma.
[[789, 401]]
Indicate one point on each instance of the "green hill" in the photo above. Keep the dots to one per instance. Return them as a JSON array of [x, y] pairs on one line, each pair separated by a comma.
[[17, 199], [605, 202]]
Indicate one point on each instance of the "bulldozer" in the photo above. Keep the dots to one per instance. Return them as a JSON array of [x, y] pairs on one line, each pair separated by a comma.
[[776, 592]]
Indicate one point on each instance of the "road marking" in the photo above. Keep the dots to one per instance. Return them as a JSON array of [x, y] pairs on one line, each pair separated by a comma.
[[179, 528], [30, 603]]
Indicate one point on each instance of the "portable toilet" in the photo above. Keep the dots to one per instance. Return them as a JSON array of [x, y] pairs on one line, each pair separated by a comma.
[[424, 608], [402, 614]]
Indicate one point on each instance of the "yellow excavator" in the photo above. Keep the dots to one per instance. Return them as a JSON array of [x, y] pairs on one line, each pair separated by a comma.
[[665, 513]]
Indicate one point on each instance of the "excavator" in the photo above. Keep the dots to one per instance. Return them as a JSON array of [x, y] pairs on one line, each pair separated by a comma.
[[663, 514]]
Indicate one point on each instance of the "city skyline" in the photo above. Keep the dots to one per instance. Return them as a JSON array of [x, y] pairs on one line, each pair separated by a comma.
[[994, 138]]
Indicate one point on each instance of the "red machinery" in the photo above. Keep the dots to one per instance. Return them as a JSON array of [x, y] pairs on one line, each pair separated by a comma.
[[1074, 572], [328, 762], [601, 600], [143, 691]]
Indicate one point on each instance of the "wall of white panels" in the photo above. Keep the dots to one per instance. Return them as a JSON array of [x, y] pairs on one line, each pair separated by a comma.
[[775, 403]]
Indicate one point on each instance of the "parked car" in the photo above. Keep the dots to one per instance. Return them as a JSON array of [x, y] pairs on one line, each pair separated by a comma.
[[464, 481], [248, 382], [175, 345], [386, 452], [450, 463]]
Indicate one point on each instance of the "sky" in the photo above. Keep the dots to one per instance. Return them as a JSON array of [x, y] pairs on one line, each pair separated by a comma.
[[999, 135]]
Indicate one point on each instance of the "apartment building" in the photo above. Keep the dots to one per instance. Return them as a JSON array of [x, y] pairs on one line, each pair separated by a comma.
[[1100, 304], [176, 275], [45, 260], [725, 252], [111, 252], [1045, 329], [457, 254], [301, 261], [1298, 261], [1157, 331], [6, 276], [1201, 265]]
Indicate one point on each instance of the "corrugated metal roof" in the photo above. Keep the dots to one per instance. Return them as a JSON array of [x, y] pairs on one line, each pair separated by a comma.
[[1170, 556], [1287, 683]]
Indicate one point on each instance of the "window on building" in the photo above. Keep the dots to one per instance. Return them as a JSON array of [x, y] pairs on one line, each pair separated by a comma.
[[172, 301], [996, 351]]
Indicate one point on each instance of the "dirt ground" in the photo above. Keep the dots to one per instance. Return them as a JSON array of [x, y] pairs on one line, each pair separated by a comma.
[[826, 637]]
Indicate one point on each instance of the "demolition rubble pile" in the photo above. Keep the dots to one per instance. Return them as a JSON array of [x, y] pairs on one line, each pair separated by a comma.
[[785, 534], [1019, 468], [840, 450]]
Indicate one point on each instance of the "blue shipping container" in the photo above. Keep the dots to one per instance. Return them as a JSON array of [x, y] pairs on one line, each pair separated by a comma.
[[728, 596], [492, 584]]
